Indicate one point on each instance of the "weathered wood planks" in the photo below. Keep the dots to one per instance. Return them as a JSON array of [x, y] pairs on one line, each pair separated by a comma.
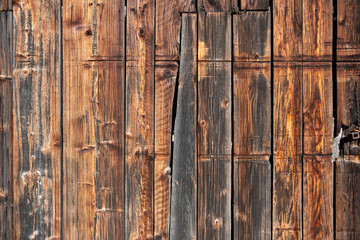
[[255, 4], [217, 5], [183, 218], [6, 5]]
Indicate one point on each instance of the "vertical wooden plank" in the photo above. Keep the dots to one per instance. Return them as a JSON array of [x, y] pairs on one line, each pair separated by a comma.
[[183, 215], [287, 34], [252, 109], [140, 94], [214, 139], [252, 36], [318, 197], [348, 33], [317, 108], [348, 101], [255, 4], [217, 5], [6, 45], [166, 74], [6, 5], [347, 197], [287, 144], [317, 30], [168, 24], [37, 120], [214, 45], [252, 197]]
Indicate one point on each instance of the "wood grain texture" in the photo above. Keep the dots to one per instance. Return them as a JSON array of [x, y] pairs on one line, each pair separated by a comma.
[[168, 25], [214, 45], [252, 109], [252, 36], [166, 74], [252, 197], [318, 197], [348, 101], [255, 4], [6, 45], [287, 144], [347, 198], [37, 120], [6, 5], [348, 30], [287, 34], [183, 218], [214, 139], [317, 108], [217, 5], [317, 30]]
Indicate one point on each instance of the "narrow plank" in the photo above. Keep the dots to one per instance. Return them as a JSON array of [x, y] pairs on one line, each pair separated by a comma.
[[6, 45], [6, 5], [287, 34], [348, 34], [168, 25], [287, 145], [183, 217], [255, 4], [214, 45], [252, 109], [214, 140], [96, 24], [217, 5], [252, 36], [317, 108], [37, 135], [317, 30], [347, 198], [166, 74], [318, 197], [348, 101], [252, 198]]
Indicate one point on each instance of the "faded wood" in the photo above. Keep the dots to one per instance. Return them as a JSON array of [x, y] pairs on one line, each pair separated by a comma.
[[252, 36], [287, 144], [317, 108], [214, 139], [217, 5], [252, 109], [6, 5], [348, 30], [318, 197], [317, 30], [6, 45], [168, 24], [254, 4], [183, 218], [214, 45], [166, 74]]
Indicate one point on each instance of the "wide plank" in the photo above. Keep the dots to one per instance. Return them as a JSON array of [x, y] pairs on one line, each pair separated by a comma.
[[217, 5], [255, 4]]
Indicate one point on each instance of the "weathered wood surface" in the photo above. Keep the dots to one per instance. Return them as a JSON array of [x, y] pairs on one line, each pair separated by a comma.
[[214, 45], [348, 30], [214, 140], [6, 45], [168, 26], [183, 218], [6, 5], [287, 144], [252, 109], [252, 36], [166, 74], [255, 4], [217, 5], [347, 197]]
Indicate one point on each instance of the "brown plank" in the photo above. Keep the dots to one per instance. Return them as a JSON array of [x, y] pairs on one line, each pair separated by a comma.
[[183, 218], [6, 5], [287, 144], [252, 36], [348, 34], [214, 45], [6, 45], [287, 34], [317, 30], [214, 139], [252, 197], [317, 108], [347, 198], [255, 4], [168, 24], [98, 25], [166, 74], [252, 109], [348, 101], [37, 135], [217, 5], [318, 197]]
